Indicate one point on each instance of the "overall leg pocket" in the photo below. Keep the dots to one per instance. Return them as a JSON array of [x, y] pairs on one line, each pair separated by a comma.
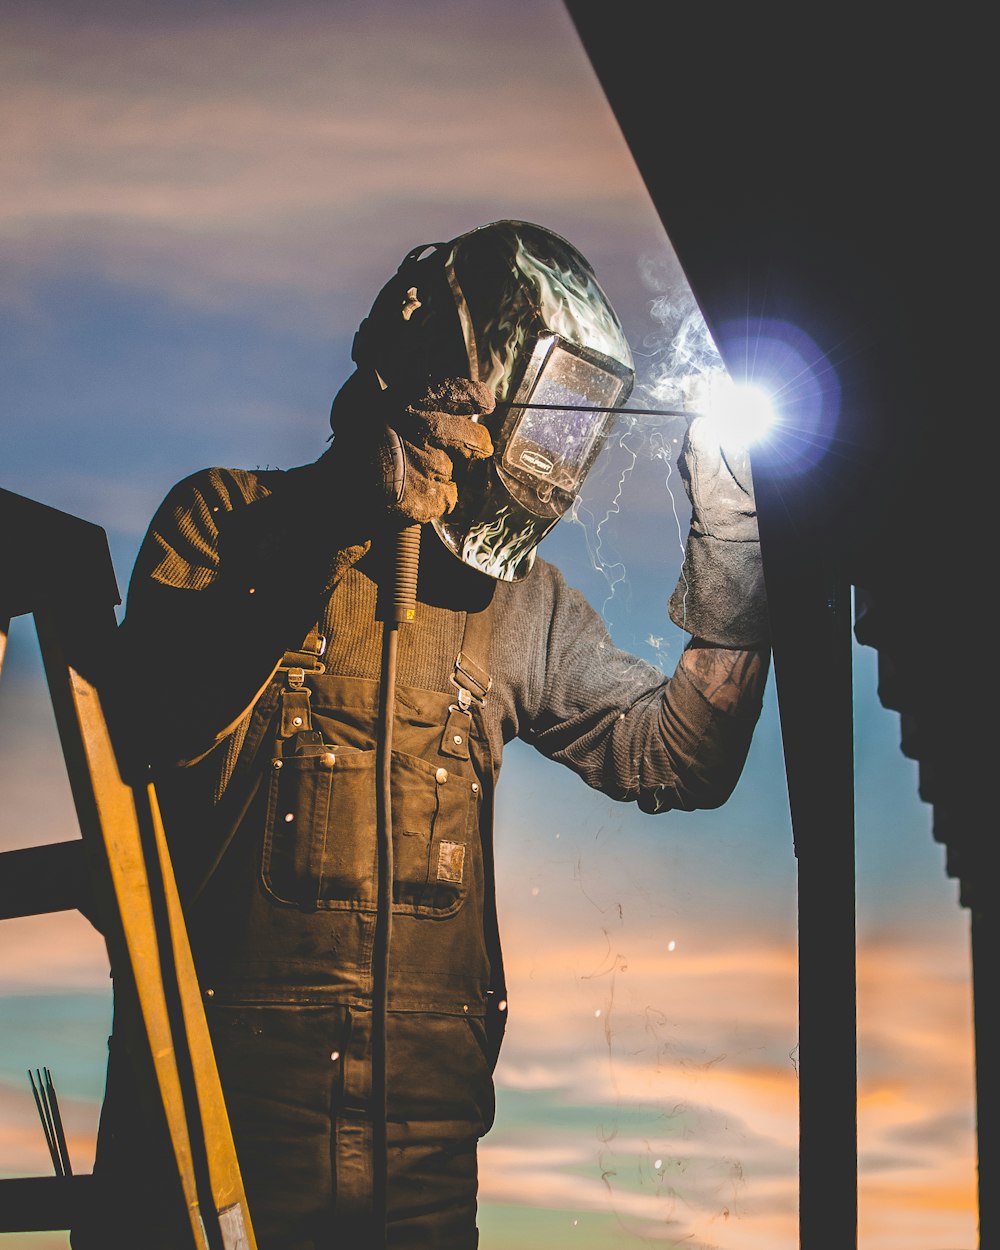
[[440, 1079], [281, 1086]]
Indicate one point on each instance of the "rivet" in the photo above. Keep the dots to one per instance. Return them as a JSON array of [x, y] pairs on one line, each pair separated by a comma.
[[441, 776], [297, 720], [458, 740], [502, 1005], [475, 787], [289, 817], [329, 759], [210, 993], [465, 1006], [252, 590], [334, 1055], [277, 763]]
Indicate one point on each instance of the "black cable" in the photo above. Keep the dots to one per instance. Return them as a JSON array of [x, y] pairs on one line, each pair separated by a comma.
[[398, 605]]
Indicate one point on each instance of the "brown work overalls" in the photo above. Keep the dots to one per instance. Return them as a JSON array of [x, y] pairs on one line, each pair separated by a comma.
[[283, 938], [282, 935]]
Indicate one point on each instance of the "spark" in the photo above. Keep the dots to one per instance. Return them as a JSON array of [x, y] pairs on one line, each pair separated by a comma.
[[613, 510]]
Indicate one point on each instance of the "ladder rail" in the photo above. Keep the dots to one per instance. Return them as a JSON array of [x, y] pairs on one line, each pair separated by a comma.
[[128, 889]]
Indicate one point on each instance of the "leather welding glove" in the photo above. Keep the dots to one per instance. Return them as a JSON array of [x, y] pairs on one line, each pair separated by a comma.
[[720, 595], [421, 446], [393, 460]]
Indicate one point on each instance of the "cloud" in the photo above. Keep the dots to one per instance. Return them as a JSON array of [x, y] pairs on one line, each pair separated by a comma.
[[707, 1070], [222, 153], [44, 953], [658, 1178], [600, 1081], [915, 1015]]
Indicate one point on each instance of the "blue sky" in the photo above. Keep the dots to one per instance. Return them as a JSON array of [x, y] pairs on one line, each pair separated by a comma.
[[200, 201]]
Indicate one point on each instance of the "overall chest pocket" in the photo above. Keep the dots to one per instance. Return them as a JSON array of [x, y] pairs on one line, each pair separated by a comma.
[[319, 849]]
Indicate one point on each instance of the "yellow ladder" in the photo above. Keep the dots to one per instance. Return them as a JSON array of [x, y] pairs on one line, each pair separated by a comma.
[[58, 568]]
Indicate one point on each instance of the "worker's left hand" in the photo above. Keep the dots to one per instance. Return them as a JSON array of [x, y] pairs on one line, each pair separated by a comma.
[[424, 443], [720, 593]]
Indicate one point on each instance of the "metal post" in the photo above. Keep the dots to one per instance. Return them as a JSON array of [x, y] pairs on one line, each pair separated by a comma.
[[811, 620]]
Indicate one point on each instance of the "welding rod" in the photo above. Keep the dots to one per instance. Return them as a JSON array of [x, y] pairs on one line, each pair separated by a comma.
[[50, 1140], [45, 1116], [638, 412], [57, 1120], [47, 1105]]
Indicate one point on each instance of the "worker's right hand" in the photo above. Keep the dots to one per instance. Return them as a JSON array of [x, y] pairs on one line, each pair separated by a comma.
[[420, 447], [720, 595]]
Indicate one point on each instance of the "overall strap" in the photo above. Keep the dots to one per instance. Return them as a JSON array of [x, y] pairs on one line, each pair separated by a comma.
[[471, 680], [308, 657], [296, 716], [286, 704]]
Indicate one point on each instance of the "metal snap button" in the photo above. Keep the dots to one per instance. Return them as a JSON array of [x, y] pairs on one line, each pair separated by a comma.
[[441, 776]]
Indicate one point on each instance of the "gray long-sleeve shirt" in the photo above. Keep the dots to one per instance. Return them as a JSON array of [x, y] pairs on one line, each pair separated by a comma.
[[238, 565]]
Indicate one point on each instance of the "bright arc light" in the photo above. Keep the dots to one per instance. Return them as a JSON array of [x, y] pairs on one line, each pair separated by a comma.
[[740, 411]]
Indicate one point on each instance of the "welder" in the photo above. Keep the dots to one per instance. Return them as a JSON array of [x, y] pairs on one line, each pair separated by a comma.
[[488, 371]]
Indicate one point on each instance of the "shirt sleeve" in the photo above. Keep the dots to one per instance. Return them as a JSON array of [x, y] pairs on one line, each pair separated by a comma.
[[181, 547], [623, 727], [234, 569]]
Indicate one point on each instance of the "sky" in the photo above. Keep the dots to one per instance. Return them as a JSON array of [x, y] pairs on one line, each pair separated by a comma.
[[200, 201]]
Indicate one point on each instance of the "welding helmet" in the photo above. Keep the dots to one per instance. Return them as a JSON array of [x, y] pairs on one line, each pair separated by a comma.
[[515, 306]]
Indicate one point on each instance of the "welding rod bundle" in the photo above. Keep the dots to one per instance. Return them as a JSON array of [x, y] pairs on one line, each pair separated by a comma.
[[48, 1112]]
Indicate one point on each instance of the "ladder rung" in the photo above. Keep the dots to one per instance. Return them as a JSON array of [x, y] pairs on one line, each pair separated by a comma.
[[41, 879], [30, 1204]]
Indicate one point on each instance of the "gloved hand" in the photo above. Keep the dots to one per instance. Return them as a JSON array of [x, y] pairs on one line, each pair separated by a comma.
[[419, 448], [720, 594]]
